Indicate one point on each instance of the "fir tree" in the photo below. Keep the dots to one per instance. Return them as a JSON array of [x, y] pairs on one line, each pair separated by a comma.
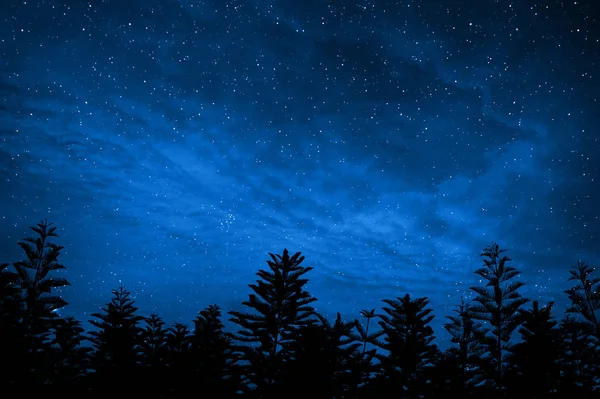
[[39, 298], [13, 345], [152, 342], [362, 333], [70, 359], [280, 306], [497, 303], [363, 366], [580, 360], [585, 297], [323, 354], [116, 340], [211, 349], [408, 340], [534, 370], [180, 365], [152, 350], [10, 297], [34, 275], [464, 358]]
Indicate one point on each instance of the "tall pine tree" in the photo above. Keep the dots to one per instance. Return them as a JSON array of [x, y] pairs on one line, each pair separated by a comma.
[[408, 340], [464, 357], [14, 348], [70, 358], [279, 307], [585, 297], [116, 341], [534, 370], [212, 352], [323, 357], [39, 285], [497, 303]]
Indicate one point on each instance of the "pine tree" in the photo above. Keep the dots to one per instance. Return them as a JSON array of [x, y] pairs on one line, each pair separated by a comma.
[[152, 342], [211, 349], [534, 371], [34, 275], [585, 297], [179, 360], [152, 349], [363, 366], [116, 340], [13, 346], [38, 294], [70, 359], [411, 353], [323, 354], [10, 298], [497, 303], [463, 360], [579, 360], [362, 333], [280, 307]]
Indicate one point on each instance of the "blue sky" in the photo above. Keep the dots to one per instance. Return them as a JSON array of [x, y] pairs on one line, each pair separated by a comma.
[[176, 143]]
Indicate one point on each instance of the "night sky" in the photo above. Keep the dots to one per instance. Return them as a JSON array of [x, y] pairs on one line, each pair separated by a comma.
[[176, 143]]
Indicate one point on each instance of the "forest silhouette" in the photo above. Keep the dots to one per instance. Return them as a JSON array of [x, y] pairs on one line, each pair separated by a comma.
[[502, 344]]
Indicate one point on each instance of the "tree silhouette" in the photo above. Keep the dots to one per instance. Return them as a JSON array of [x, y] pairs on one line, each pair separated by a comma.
[[534, 370], [152, 343], [70, 359], [212, 351], [179, 361], [585, 296], [116, 340], [460, 367], [364, 367], [283, 348], [580, 359], [39, 299], [14, 350], [408, 340], [323, 354], [10, 298], [497, 303], [152, 351], [362, 334], [280, 307]]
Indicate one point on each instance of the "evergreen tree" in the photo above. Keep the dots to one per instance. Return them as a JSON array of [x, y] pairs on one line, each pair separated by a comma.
[[280, 307], [534, 370], [10, 298], [497, 303], [585, 297], [363, 366], [38, 294], [13, 346], [580, 360], [411, 353], [460, 367], [323, 354], [180, 364], [116, 340], [211, 349], [70, 359], [152, 342], [362, 333], [35, 280], [152, 349]]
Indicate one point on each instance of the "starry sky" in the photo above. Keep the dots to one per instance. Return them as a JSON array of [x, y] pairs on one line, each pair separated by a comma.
[[176, 143]]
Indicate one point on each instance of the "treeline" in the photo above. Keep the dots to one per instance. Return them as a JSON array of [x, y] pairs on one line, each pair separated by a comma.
[[503, 345]]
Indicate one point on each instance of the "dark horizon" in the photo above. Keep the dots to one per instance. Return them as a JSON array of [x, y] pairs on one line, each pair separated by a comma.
[[502, 344]]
